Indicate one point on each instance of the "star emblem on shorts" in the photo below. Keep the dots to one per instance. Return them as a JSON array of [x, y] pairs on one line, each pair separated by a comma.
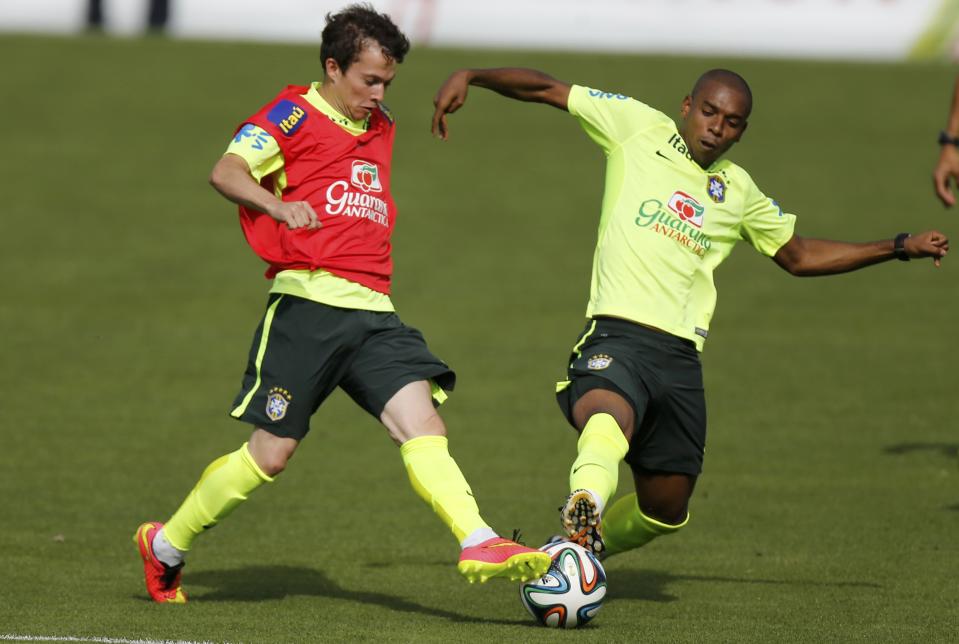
[[277, 403]]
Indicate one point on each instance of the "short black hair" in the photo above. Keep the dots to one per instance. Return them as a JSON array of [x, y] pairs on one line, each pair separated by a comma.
[[728, 78], [349, 31]]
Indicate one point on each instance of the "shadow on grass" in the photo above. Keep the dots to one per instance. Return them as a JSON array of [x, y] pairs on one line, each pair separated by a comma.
[[949, 450], [264, 583], [650, 585]]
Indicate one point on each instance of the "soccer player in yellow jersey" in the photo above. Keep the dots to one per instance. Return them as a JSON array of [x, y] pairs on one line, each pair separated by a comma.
[[946, 174], [672, 210], [324, 228]]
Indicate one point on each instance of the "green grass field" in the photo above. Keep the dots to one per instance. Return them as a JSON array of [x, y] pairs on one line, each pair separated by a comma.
[[828, 510]]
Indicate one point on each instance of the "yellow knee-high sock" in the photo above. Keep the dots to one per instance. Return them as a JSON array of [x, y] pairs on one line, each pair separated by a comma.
[[601, 447], [438, 480], [224, 484], [625, 527]]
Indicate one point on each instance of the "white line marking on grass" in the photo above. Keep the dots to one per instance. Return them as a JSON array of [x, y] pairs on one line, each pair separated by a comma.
[[10, 637]]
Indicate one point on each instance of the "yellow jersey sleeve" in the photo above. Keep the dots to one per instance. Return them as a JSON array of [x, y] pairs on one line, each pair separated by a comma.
[[765, 226], [258, 148], [610, 119]]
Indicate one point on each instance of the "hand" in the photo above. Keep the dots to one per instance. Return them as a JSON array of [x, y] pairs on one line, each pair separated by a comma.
[[295, 214], [450, 97], [946, 172], [931, 243]]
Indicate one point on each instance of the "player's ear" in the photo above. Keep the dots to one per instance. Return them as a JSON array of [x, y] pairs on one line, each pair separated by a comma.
[[332, 69], [684, 108]]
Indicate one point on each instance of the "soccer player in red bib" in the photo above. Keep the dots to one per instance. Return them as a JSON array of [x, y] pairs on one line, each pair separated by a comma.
[[310, 172]]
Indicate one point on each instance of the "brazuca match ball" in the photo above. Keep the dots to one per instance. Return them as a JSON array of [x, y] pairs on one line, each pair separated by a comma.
[[572, 590]]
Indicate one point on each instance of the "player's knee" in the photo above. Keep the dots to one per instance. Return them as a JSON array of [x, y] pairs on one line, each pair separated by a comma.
[[410, 427], [668, 511], [271, 453], [603, 401], [273, 464]]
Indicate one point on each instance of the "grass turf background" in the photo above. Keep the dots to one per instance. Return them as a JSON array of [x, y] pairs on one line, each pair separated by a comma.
[[829, 506]]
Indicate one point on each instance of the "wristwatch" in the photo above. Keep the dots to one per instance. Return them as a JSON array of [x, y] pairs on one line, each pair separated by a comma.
[[899, 247], [946, 139]]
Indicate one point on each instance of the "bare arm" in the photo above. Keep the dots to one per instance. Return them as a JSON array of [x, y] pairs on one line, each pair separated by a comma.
[[231, 177], [805, 257], [946, 174], [513, 82]]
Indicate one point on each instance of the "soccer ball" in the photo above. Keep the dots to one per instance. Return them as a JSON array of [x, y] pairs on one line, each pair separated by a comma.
[[572, 590]]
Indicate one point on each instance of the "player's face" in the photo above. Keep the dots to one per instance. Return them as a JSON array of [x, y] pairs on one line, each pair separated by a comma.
[[713, 121], [357, 91]]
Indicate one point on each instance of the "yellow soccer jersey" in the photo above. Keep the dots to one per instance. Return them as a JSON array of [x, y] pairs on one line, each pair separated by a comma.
[[666, 223], [262, 154]]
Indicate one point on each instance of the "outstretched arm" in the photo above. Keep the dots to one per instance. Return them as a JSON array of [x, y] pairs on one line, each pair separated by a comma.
[[946, 174], [808, 257], [512, 82]]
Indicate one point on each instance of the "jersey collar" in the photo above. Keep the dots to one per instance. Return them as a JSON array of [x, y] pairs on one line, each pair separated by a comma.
[[314, 98]]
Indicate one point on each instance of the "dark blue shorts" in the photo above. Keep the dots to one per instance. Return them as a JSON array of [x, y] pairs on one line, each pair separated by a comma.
[[660, 375], [303, 350]]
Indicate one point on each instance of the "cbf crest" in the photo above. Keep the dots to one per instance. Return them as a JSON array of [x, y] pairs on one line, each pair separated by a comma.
[[599, 362], [716, 188], [277, 403]]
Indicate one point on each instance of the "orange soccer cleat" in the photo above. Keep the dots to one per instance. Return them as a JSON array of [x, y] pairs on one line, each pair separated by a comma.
[[163, 582]]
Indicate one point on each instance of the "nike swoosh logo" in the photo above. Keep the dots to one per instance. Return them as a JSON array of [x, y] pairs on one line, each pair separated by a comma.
[[658, 153]]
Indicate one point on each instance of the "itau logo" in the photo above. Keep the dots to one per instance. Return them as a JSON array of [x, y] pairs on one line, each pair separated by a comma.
[[688, 209], [366, 176]]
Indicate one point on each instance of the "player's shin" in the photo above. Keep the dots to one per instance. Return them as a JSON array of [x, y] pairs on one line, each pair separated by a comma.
[[625, 527], [437, 479], [600, 448], [224, 484]]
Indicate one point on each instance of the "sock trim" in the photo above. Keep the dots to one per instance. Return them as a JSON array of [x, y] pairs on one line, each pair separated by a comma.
[[423, 442], [250, 462], [659, 526]]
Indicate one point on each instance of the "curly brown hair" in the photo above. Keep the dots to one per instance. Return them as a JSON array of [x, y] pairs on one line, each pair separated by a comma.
[[349, 31]]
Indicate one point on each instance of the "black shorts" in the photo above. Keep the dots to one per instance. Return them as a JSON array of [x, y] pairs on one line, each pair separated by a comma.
[[660, 375], [303, 350]]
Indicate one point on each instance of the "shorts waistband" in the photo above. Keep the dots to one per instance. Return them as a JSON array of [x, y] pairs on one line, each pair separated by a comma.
[[643, 330]]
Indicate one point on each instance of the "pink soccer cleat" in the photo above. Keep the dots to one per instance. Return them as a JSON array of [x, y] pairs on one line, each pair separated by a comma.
[[499, 557], [163, 582]]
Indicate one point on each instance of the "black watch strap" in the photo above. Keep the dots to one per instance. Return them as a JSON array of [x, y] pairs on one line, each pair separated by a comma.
[[899, 247], [947, 139]]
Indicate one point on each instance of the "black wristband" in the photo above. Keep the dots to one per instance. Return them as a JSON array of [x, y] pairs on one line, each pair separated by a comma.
[[899, 247], [947, 139]]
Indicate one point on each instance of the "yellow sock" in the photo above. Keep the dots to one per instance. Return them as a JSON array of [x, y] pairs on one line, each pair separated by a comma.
[[625, 527], [601, 447], [438, 480], [224, 484]]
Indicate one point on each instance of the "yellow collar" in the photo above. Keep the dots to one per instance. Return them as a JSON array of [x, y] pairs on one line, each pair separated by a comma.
[[316, 100]]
